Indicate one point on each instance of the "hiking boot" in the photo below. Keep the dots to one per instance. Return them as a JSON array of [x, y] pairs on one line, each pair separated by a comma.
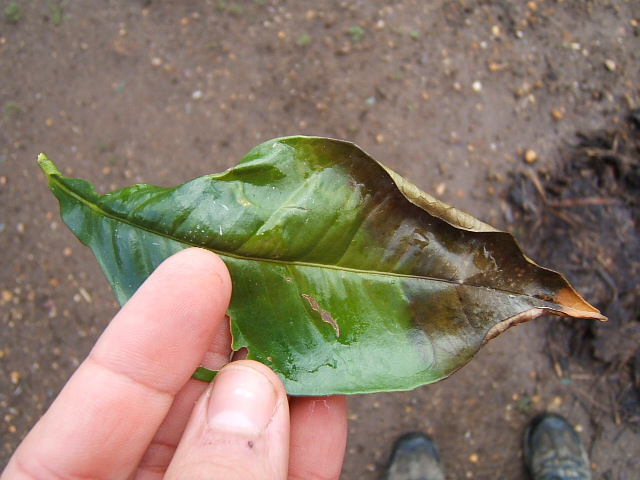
[[553, 450], [415, 457]]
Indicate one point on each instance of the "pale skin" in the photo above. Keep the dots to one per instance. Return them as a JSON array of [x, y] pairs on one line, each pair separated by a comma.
[[131, 410]]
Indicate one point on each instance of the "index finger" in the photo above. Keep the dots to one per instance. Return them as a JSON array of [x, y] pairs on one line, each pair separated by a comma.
[[107, 414]]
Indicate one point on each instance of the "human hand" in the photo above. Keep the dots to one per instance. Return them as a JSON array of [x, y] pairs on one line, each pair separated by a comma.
[[132, 411]]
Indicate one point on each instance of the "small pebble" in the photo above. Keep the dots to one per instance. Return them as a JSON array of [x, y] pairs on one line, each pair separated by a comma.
[[557, 114], [15, 377], [473, 458], [6, 297], [555, 402], [610, 65], [530, 156], [476, 86]]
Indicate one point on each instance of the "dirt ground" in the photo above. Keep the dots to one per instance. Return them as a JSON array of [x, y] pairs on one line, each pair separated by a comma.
[[477, 102]]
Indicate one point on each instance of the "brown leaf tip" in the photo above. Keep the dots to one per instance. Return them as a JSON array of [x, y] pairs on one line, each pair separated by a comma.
[[576, 306]]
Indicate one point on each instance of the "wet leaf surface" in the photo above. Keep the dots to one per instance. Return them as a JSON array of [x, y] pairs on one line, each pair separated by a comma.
[[346, 277]]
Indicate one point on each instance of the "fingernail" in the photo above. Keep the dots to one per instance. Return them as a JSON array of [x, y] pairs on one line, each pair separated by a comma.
[[242, 400]]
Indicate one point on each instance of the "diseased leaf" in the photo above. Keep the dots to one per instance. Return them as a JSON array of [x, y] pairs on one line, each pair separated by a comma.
[[346, 277]]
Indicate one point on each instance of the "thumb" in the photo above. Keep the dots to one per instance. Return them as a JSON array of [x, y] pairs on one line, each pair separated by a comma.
[[239, 428]]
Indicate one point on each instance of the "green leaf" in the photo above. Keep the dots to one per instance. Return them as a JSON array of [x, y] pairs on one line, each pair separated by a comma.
[[346, 277]]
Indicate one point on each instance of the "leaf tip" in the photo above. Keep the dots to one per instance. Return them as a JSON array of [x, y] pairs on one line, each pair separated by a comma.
[[573, 305], [47, 165], [583, 310]]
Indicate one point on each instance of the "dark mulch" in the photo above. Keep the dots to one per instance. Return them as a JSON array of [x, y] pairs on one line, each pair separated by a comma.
[[583, 219]]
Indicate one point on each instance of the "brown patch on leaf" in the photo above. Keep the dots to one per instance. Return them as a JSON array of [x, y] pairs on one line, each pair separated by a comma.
[[326, 316]]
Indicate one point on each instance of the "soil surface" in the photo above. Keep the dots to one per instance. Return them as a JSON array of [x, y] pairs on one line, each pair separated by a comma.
[[521, 113]]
